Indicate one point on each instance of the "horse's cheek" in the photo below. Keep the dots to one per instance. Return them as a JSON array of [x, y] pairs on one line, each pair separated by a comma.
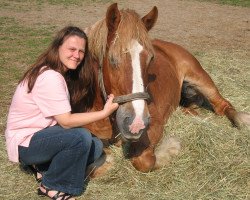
[[145, 162]]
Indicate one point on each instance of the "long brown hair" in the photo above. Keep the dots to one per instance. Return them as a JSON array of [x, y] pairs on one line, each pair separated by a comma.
[[80, 82]]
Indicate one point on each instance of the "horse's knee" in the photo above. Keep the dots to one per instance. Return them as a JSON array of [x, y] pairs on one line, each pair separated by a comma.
[[145, 162]]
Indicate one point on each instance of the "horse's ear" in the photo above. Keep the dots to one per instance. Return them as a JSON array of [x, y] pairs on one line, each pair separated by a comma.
[[150, 19], [113, 18]]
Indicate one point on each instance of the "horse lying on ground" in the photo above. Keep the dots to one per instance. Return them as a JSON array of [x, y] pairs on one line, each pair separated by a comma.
[[150, 78]]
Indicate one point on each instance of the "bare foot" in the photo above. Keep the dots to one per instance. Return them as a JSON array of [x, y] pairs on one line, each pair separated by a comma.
[[39, 176]]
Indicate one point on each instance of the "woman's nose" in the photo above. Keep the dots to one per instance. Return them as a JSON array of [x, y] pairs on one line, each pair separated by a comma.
[[77, 54]]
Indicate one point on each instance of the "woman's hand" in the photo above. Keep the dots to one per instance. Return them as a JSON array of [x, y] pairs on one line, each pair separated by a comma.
[[69, 120], [109, 106]]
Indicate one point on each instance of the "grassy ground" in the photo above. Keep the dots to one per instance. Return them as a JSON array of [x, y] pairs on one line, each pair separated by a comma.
[[215, 157]]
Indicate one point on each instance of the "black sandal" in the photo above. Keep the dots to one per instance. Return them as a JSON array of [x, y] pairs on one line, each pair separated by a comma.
[[62, 196]]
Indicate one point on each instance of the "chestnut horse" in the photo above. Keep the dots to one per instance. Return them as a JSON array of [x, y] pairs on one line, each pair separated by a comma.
[[150, 79]]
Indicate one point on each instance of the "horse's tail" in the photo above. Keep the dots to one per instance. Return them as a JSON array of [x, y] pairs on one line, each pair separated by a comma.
[[166, 151], [237, 118]]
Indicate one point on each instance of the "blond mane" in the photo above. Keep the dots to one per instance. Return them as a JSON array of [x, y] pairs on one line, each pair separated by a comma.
[[130, 27]]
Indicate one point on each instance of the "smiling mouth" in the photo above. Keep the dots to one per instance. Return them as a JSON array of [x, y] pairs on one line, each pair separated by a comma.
[[76, 61]]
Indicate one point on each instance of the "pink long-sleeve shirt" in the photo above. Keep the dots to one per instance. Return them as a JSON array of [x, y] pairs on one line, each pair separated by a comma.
[[32, 112]]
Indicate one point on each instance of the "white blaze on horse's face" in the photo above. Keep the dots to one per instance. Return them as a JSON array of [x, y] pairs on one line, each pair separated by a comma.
[[138, 86]]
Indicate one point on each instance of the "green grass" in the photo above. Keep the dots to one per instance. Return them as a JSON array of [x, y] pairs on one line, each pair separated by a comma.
[[15, 38], [40, 3], [214, 163], [243, 3]]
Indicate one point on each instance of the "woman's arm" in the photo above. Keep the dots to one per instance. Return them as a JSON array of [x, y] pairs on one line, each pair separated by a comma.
[[69, 120]]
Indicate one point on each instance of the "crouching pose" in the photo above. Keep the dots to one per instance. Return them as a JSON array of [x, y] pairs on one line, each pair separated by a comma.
[[42, 131]]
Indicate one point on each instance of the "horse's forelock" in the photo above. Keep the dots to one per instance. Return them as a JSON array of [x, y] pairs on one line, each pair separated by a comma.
[[130, 27]]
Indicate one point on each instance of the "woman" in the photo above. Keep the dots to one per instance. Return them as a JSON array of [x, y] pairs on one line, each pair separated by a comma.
[[41, 128]]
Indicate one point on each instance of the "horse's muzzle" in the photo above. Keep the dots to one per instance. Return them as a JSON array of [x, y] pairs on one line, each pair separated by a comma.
[[131, 127]]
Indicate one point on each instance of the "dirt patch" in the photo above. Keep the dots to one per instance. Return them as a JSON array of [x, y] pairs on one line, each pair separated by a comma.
[[194, 25]]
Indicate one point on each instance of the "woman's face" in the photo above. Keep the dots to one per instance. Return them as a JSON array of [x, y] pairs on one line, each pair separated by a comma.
[[72, 51]]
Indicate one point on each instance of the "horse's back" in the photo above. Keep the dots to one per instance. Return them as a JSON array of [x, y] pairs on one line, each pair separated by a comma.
[[179, 56]]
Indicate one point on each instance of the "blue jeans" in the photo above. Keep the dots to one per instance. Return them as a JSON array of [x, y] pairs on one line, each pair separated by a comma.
[[66, 152]]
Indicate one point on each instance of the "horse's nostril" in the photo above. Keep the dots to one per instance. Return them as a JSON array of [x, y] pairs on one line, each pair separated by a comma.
[[126, 120], [126, 123]]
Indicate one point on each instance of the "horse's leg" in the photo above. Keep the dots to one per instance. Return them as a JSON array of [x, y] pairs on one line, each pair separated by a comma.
[[142, 157], [100, 170], [191, 99], [198, 78], [153, 150]]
